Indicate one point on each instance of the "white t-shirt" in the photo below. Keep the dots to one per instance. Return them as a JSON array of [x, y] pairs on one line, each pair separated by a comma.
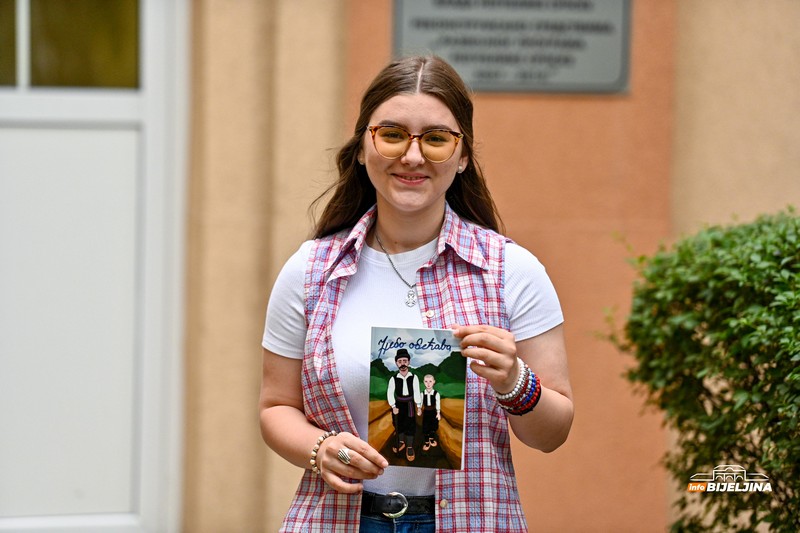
[[375, 296]]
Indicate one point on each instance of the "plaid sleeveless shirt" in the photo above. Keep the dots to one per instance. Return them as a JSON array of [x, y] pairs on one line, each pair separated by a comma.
[[461, 284]]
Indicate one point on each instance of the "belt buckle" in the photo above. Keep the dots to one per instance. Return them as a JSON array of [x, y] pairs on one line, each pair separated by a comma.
[[402, 511]]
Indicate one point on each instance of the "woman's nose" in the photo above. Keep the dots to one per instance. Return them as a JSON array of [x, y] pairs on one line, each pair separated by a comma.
[[413, 155]]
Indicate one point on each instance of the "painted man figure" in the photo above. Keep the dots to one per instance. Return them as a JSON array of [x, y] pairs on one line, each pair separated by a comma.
[[405, 399]]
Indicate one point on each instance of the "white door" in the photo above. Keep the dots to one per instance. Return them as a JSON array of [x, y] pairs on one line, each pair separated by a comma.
[[91, 247]]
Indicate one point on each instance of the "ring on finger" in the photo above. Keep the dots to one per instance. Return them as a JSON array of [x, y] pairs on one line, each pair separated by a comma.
[[344, 455]]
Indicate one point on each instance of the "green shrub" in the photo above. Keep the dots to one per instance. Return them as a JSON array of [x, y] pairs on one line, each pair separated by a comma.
[[715, 332]]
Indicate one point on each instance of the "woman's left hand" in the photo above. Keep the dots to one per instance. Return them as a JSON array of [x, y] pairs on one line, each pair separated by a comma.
[[493, 352]]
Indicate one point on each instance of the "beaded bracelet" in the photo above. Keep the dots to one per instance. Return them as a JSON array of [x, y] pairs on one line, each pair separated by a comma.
[[517, 386], [315, 449], [526, 405], [526, 394], [513, 407]]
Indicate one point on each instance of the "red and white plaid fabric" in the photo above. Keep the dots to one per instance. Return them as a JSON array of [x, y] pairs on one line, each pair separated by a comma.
[[462, 284]]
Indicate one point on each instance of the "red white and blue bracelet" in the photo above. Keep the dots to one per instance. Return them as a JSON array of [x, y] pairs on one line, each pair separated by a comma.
[[526, 392]]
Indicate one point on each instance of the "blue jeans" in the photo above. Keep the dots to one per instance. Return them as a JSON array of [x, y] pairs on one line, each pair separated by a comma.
[[408, 523]]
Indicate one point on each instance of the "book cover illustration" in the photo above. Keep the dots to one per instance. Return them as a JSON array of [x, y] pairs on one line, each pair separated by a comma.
[[416, 397]]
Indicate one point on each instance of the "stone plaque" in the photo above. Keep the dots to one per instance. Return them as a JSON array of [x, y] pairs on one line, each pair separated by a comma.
[[522, 45]]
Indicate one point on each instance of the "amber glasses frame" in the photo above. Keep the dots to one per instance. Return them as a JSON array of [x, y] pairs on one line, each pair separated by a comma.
[[374, 129]]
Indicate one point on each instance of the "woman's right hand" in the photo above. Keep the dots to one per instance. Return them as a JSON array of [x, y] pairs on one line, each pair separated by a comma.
[[365, 462], [288, 432]]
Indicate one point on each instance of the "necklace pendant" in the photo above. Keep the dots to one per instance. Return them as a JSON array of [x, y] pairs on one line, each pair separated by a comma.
[[411, 297]]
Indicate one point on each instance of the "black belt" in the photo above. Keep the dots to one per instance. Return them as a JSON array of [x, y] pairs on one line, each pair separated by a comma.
[[395, 504]]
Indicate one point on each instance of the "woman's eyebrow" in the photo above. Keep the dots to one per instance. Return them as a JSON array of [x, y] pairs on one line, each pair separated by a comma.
[[439, 127], [428, 127]]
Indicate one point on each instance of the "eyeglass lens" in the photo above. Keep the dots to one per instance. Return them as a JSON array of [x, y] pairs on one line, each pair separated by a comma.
[[436, 145]]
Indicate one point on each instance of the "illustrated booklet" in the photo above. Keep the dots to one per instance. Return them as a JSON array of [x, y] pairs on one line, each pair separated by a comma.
[[417, 397]]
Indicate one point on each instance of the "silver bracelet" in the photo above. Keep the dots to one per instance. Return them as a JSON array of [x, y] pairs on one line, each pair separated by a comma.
[[520, 381], [315, 449]]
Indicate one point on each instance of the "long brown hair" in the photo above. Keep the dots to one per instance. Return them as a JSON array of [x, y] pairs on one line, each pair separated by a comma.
[[353, 193]]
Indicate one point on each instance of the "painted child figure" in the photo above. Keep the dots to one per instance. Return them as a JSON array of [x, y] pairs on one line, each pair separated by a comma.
[[431, 413]]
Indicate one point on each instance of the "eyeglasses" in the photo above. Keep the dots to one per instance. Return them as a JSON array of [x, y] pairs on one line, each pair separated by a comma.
[[437, 146]]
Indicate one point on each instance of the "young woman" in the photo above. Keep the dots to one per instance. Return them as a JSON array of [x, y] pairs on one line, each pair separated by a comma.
[[409, 238]]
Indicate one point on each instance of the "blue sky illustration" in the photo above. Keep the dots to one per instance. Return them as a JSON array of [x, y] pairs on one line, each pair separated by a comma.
[[422, 344]]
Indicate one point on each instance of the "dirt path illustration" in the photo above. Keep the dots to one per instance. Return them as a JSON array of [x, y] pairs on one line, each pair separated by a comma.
[[446, 455]]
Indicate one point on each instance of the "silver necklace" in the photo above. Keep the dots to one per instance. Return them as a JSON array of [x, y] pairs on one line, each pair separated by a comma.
[[411, 295]]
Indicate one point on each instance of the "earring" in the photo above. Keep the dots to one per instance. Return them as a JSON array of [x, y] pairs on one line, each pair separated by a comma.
[[460, 169]]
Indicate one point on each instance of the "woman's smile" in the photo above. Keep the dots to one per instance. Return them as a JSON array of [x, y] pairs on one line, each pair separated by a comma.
[[411, 179]]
